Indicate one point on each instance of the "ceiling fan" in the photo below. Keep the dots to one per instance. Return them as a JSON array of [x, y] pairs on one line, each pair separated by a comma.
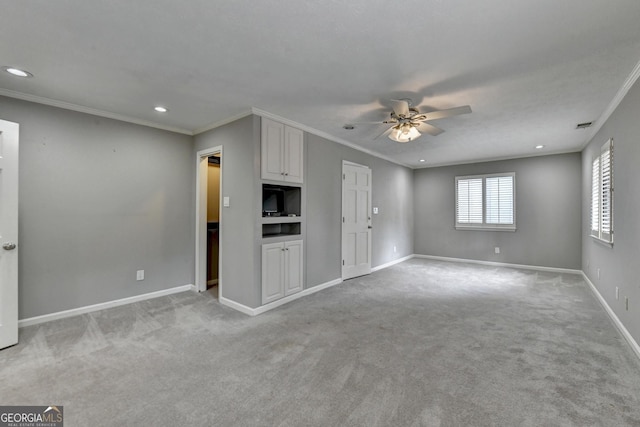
[[408, 123]]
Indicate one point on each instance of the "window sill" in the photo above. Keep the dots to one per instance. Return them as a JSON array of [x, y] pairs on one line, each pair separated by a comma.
[[602, 242], [485, 228]]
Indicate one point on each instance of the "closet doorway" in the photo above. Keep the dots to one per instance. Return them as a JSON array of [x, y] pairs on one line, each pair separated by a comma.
[[208, 221]]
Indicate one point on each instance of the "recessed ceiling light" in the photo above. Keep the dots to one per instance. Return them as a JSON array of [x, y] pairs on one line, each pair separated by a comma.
[[17, 72], [539, 146], [160, 109]]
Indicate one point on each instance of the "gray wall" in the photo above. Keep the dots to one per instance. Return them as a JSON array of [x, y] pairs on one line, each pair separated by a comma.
[[392, 190], [239, 231], [99, 199], [619, 264], [548, 203]]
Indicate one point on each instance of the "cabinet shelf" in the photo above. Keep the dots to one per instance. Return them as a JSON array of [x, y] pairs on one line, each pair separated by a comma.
[[280, 229], [280, 219]]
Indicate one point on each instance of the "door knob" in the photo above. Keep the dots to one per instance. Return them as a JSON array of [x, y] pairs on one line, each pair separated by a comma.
[[9, 246]]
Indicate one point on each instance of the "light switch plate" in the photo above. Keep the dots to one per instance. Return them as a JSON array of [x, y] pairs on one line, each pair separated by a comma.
[[375, 210], [225, 201]]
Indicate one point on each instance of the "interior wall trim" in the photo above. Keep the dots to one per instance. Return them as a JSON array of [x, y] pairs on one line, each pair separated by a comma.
[[264, 308], [223, 122], [626, 86], [92, 111], [501, 264], [614, 319], [101, 306]]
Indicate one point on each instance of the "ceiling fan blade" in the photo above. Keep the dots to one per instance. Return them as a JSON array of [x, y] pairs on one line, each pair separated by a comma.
[[430, 129], [441, 114], [400, 107], [386, 132]]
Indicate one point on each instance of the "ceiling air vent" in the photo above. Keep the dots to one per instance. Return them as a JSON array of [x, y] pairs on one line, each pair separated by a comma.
[[583, 125]]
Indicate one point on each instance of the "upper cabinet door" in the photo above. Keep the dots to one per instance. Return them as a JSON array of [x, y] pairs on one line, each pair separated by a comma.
[[272, 147], [282, 155], [293, 154]]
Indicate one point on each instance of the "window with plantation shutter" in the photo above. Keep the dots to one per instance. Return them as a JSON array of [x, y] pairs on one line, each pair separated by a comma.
[[469, 206], [602, 194], [486, 202]]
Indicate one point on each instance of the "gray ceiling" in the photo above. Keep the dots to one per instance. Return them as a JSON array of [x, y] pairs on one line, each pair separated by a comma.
[[530, 69]]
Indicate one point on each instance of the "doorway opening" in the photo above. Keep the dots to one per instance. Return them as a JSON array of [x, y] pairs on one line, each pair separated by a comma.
[[208, 222], [213, 223]]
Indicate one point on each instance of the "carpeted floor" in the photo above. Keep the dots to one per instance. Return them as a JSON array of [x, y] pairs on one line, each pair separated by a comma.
[[422, 343]]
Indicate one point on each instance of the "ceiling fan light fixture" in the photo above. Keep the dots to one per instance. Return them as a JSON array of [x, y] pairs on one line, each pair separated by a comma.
[[404, 133]]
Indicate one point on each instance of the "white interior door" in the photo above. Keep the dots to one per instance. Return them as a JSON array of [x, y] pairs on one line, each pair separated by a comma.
[[356, 220], [8, 233]]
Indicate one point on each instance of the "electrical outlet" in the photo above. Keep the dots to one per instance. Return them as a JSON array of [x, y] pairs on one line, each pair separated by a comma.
[[497, 250], [598, 273], [140, 275], [617, 293], [395, 249]]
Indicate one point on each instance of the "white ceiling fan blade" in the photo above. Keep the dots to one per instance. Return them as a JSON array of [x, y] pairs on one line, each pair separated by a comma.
[[441, 114], [430, 129], [400, 107]]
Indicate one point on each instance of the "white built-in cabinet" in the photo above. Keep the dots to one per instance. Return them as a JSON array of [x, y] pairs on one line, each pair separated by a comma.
[[281, 270], [282, 157]]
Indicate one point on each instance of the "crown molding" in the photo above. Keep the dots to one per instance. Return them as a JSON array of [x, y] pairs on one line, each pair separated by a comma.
[[626, 86], [497, 159], [316, 132], [223, 122], [92, 111]]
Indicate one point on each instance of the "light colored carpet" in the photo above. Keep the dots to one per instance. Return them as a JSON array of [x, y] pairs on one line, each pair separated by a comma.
[[422, 343]]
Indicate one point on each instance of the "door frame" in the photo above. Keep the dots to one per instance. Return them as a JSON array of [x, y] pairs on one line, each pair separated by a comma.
[[9, 292], [202, 164], [342, 224]]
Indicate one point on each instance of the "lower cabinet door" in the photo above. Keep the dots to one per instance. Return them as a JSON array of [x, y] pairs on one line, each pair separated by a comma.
[[273, 272], [294, 277]]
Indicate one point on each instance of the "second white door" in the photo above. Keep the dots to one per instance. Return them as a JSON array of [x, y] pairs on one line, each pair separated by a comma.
[[356, 220]]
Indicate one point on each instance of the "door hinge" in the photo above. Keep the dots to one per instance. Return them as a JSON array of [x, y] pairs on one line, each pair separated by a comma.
[[344, 176], [342, 219], [342, 262]]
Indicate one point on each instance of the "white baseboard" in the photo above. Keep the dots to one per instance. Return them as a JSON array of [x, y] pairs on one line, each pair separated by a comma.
[[500, 264], [390, 263], [101, 306], [616, 321], [237, 306], [263, 308]]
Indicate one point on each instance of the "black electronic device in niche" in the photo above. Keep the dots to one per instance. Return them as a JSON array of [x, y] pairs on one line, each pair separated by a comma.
[[272, 201]]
